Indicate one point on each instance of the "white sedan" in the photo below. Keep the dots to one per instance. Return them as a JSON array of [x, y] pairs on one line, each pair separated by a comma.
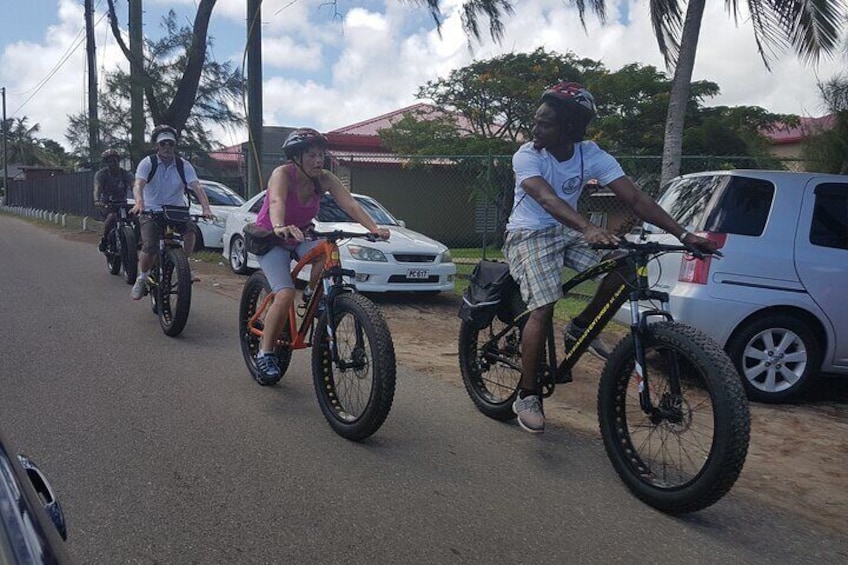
[[222, 201], [408, 262]]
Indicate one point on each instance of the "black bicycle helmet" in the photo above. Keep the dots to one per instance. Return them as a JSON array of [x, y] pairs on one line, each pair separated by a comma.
[[574, 105], [164, 131], [301, 139], [109, 154]]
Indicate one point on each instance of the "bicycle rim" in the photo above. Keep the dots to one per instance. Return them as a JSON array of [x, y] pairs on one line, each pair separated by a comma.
[[174, 288], [255, 290], [689, 451], [491, 366], [356, 391]]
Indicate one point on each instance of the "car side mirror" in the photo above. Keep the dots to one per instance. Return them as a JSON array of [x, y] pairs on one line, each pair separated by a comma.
[[402, 223]]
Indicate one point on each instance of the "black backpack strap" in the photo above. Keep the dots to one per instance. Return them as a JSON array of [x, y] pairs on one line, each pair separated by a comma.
[[154, 164], [181, 169]]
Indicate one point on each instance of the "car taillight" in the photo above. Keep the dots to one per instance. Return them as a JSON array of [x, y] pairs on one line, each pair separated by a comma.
[[697, 271]]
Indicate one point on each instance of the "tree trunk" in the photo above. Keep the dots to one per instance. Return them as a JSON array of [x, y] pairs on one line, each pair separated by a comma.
[[680, 86], [180, 108]]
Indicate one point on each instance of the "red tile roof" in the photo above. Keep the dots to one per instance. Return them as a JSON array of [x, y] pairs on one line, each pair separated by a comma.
[[782, 134]]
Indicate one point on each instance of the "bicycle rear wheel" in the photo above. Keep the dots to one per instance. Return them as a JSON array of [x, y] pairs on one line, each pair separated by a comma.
[[174, 291], [491, 365], [129, 253], [356, 391], [252, 295], [689, 451]]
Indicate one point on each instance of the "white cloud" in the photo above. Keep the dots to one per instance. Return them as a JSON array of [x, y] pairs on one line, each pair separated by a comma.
[[328, 73]]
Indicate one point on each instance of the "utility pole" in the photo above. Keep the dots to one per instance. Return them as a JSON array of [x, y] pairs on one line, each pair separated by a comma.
[[254, 97], [93, 121], [5, 152], [136, 83]]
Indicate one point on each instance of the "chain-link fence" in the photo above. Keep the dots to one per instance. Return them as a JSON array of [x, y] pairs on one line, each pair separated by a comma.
[[462, 201]]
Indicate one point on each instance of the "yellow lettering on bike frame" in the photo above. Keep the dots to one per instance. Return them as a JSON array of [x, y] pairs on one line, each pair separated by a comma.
[[642, 271], [595, 321]]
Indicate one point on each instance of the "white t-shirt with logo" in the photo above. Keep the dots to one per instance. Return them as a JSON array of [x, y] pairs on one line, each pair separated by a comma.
[[567, 179]]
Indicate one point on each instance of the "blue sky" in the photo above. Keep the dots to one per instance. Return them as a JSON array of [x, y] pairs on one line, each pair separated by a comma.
[[327, 72]]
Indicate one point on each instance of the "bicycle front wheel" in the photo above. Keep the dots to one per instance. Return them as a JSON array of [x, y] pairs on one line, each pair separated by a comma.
[[129, 253], [174, 292], [254, 293], [113, 252], [356, 390], [689, 450]]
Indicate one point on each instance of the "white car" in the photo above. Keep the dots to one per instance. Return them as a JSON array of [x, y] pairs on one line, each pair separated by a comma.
[[409, 261], [222, 200]]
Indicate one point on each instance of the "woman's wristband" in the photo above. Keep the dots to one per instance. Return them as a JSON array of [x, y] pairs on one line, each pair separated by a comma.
[[684, 235]]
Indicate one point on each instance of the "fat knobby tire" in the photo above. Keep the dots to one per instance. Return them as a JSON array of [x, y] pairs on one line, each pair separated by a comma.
[[380, 355], [731, 419], [172, 319], [497, 407], [129, 254]]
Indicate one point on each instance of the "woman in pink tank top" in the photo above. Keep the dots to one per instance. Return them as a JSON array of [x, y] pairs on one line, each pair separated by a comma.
[[292, 201]]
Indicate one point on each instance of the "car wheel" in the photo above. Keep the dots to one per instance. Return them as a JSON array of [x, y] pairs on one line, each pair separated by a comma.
[[777, 356], [238, 256]]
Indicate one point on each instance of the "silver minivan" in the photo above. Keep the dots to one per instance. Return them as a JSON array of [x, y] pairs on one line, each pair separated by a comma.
[[778, 299]]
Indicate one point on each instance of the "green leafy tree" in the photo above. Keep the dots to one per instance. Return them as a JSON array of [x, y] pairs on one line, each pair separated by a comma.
[[812, 29], [166, 63], [23, 147]]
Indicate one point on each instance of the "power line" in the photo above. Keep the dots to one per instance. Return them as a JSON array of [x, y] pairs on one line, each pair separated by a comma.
[[75, 44]]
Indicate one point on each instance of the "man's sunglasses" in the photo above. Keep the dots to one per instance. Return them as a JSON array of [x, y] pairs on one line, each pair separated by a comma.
[[166, 143]]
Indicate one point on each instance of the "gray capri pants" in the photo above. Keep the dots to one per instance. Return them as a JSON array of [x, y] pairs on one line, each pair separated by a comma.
[[276, 264]]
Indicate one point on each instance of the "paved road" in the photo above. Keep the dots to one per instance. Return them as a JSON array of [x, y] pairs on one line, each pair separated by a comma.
[[164, 451]]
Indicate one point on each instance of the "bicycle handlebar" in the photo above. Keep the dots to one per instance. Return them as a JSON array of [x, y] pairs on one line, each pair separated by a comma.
[[653, 248], [335, 235]]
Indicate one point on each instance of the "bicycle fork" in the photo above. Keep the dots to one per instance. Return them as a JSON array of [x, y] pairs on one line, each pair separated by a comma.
[[670, 404]]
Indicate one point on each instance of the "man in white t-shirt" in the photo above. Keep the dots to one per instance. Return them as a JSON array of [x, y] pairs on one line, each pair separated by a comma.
[[165, 187], [545, 231]]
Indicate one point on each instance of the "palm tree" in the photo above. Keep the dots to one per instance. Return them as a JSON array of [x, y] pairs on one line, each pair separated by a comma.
[[810, 28]]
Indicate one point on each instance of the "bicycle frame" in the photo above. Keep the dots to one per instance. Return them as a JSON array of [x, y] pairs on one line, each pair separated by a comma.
[[640, 291], [332, 281]]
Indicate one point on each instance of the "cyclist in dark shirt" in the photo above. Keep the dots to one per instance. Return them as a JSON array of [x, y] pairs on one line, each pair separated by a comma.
[[112, 185]]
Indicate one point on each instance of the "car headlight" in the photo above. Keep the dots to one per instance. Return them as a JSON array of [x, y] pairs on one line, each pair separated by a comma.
[[447, 257], [363, 253]]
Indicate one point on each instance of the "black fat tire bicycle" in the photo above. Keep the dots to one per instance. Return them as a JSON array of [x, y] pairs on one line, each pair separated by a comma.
[[672, 410], [169, 282], [122, 242], [353, 357]]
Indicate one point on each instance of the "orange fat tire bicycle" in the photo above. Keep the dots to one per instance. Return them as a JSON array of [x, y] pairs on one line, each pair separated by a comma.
[[353, 357]]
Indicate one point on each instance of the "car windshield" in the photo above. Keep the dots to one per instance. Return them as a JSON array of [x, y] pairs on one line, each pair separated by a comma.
[[331, 212], [218, 195]]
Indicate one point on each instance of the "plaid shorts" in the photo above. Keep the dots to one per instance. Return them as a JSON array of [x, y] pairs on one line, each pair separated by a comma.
[[536, 259]]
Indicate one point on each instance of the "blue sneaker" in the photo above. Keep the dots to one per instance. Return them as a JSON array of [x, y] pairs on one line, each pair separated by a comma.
[[268, 368]]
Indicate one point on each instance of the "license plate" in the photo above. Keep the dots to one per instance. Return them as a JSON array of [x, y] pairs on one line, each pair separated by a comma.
[[417, 274]]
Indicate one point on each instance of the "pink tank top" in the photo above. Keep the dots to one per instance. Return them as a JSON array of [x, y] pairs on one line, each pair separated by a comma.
[[297, 214]]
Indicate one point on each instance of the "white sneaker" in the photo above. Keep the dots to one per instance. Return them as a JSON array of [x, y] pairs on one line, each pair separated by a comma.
[[138, 288], [530, 415]]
